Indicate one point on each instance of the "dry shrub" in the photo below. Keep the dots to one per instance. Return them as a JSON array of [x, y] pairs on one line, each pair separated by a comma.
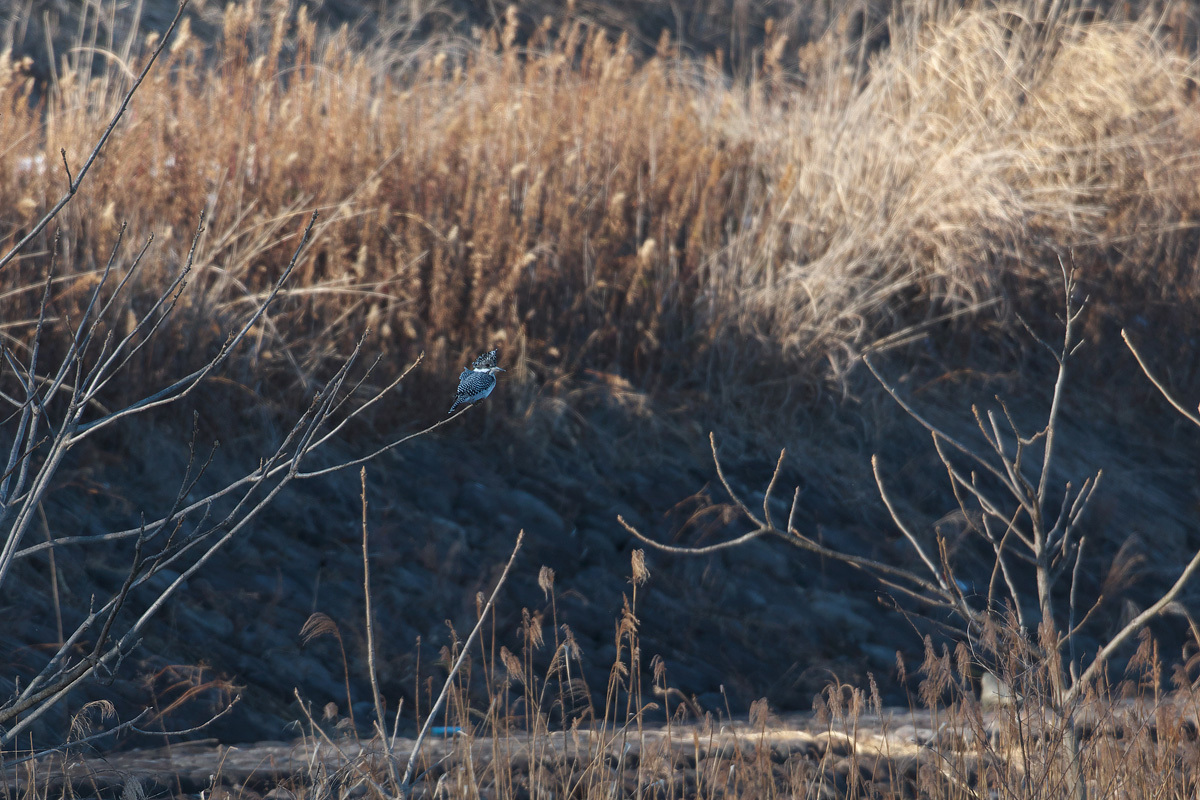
[[580, 206], [515, 736], [945, 177]]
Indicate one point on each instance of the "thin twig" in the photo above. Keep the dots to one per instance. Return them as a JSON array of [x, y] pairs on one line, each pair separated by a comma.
[[929, 426], [1072, 607], [712, 441], [797, 539], [70, 181], [1136, 624], [462, 657], [353, 763], [1195, 420], [912, 539], [1060, 383], [74, 185], [113, 731], [391, 446], [371, 671], [771, 488], [696, 551], [196, 728]]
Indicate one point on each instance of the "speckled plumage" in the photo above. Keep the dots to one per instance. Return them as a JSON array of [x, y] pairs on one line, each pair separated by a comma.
[[477, 381], [487, 360]]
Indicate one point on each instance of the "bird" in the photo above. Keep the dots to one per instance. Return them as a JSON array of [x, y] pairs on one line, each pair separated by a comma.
[[477, 381]]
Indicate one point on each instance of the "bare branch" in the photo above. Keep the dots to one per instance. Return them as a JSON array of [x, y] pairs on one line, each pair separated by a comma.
[[1060, 384], [78, 180], [797, 539], [792, 513], [372, 673], [696, 551], [1195, 420], [770, 488], [712, 441], [1072, 606], [437, 706], [256, 475], [1137, 623], [184, 386], [364, 774], [63, 152], [912, 539], [237, 698], [391, 446], [929, 426]]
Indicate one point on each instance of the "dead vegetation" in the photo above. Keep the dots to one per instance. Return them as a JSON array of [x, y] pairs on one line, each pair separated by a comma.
[[512, 727], [588, 208]]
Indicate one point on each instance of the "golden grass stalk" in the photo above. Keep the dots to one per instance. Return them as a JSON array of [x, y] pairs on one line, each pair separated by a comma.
[[646, 215]]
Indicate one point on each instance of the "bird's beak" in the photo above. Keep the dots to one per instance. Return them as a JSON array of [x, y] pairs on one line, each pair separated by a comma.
[[500, 369]]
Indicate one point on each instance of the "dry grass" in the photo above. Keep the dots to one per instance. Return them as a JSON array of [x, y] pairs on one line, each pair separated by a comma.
[[519, 726], [972, 149], [580, 207], [584, 208]]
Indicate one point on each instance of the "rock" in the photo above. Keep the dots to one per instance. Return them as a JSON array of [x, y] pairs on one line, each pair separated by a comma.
[[712, 702], [530, 512], [209, 621], [879, 656], [838, 614]]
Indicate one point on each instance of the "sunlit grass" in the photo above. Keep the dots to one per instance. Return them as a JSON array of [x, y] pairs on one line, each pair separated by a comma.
[[584, 208]]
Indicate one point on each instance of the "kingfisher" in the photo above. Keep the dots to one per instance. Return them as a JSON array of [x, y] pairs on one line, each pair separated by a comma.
[[477, 381]]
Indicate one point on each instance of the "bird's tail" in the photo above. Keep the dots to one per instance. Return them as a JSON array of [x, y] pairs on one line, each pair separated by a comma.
[[453, 407]]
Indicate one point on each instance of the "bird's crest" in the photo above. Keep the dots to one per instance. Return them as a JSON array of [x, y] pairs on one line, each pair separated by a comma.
[[487, 360]]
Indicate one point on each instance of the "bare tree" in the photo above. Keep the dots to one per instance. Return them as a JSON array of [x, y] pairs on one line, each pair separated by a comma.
[[57, 402], [1007, 500], [56, 409]]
